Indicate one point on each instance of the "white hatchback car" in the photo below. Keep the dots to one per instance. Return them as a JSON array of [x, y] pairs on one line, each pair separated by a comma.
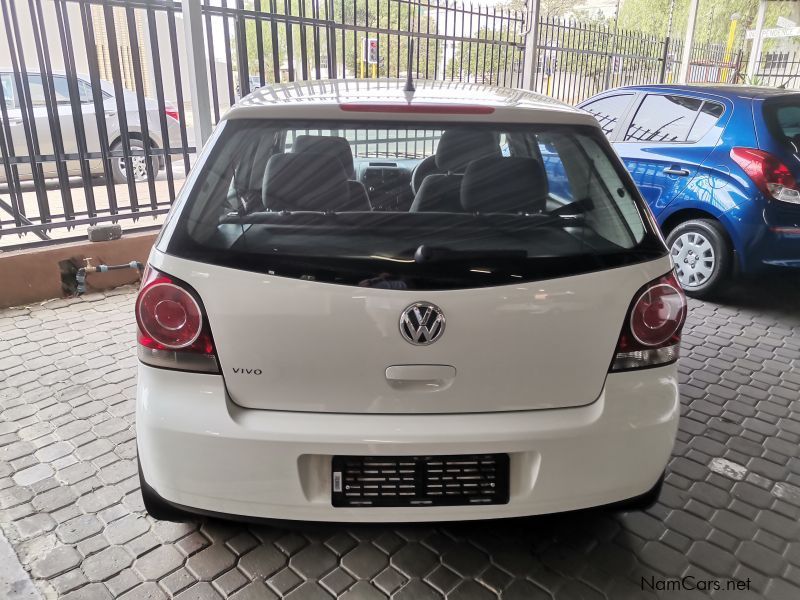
[[372, 304]]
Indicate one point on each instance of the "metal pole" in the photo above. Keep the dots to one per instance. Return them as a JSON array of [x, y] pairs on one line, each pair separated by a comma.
[[662, 75], [755, 47], [199, 90], [531, 42], [683, 74]]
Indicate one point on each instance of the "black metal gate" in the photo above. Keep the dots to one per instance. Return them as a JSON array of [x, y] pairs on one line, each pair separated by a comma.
[[97, 117]]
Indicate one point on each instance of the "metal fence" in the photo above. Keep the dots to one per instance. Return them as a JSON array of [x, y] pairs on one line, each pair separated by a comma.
[[97, 115], [577, 60], [64, 126], [778, 69]]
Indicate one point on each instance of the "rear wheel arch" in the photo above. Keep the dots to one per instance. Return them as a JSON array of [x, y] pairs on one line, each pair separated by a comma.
[[687, 214], [133, 135]]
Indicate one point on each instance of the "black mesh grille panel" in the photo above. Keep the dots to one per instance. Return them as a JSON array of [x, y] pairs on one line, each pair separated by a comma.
[[420, 480]]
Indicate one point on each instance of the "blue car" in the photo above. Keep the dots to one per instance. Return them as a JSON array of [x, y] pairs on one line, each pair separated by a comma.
[[719, 166]]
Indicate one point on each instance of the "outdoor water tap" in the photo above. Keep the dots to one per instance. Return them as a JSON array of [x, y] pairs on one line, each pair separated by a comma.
[[80, 276]]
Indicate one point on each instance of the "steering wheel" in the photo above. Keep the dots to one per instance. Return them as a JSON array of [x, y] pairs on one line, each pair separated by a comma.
[[422, 169]]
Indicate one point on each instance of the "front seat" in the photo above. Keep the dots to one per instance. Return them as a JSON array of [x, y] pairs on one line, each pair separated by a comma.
[[248, 178], [441, 192], [304, 182], [338, 148], [511, 184]]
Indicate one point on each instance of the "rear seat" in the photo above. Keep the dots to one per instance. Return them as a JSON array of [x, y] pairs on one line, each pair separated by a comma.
[[305, 181], [338, 148]]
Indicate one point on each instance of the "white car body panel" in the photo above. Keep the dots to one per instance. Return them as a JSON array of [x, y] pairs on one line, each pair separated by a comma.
[[287, 344], [198, 449]]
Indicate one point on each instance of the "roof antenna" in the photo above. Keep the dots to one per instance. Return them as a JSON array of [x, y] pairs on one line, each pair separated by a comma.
[[409, 88]]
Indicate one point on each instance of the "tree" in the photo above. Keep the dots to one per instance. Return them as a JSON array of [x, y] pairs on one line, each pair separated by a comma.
[[713, 18], [549, 8], [284, 45]]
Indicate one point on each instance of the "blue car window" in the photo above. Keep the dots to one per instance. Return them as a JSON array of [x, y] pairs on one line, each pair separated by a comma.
[[608, 110], [784, 119], [663, 118], [706, 119]]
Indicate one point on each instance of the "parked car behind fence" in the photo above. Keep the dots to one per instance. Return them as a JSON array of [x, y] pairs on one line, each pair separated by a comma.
[[15, 99]]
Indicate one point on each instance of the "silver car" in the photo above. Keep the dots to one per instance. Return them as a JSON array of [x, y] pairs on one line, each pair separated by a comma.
[[67, 124]]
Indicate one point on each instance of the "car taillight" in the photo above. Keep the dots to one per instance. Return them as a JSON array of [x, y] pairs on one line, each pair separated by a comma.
[[173, 112], [173, 330], [418, 108], [769, 174], [651, 334]]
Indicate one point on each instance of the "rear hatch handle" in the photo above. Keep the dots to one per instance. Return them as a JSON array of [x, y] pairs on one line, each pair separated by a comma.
[[420, 378]]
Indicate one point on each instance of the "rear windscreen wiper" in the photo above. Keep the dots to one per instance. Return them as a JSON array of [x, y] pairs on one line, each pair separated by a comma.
[[439, 254]]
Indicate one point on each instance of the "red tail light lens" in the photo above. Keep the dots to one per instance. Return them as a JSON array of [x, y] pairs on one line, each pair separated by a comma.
[[173, 112], [168, 315], [657, 314], [173, 331], [651, 334], [769, 174]]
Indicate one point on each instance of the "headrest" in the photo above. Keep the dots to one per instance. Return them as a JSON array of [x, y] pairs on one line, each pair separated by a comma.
[[458, 147], [249, 174], [504, 185], [329, 145], [306, 181]]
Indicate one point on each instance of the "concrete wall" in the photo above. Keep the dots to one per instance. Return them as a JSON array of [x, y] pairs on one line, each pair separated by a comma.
[[33, 275], [25, 21]]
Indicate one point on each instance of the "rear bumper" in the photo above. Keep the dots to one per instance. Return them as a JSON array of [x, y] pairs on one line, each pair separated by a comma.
[[778, 242], [199, 450], [781, 247]]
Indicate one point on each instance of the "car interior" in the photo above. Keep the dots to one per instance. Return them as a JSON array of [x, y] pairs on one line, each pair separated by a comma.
[[469, 172]]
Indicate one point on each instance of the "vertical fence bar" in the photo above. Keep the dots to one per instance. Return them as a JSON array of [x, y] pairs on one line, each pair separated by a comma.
[[242, 59], [259, 47], [133, 37], [65, 37], [176, 73], [289, 41], [304, 41], [226, 35], [273, 32], [212, 64], [662, 76], [162, 109], [51, 107], [331, 38], [17, 208], [198, 76], [26, 109], [98, 103], [119, 97]]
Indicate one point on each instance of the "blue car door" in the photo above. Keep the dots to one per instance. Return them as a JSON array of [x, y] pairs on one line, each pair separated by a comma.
[[660, 144]]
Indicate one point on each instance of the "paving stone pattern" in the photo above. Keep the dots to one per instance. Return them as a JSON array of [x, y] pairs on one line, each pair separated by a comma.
[[70, 505]]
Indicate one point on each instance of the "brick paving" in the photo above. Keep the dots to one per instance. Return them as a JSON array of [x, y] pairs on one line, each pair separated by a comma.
[[730, 507]]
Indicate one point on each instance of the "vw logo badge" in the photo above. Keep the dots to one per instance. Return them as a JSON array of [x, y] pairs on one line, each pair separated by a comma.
[[422, 323]]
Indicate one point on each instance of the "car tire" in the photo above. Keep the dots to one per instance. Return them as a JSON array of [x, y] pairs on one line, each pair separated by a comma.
[[139, 165], [702, 254], [155, 505]]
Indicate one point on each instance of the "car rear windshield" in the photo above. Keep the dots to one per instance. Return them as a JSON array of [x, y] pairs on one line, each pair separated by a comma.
[[412, 205], [782, 115]]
